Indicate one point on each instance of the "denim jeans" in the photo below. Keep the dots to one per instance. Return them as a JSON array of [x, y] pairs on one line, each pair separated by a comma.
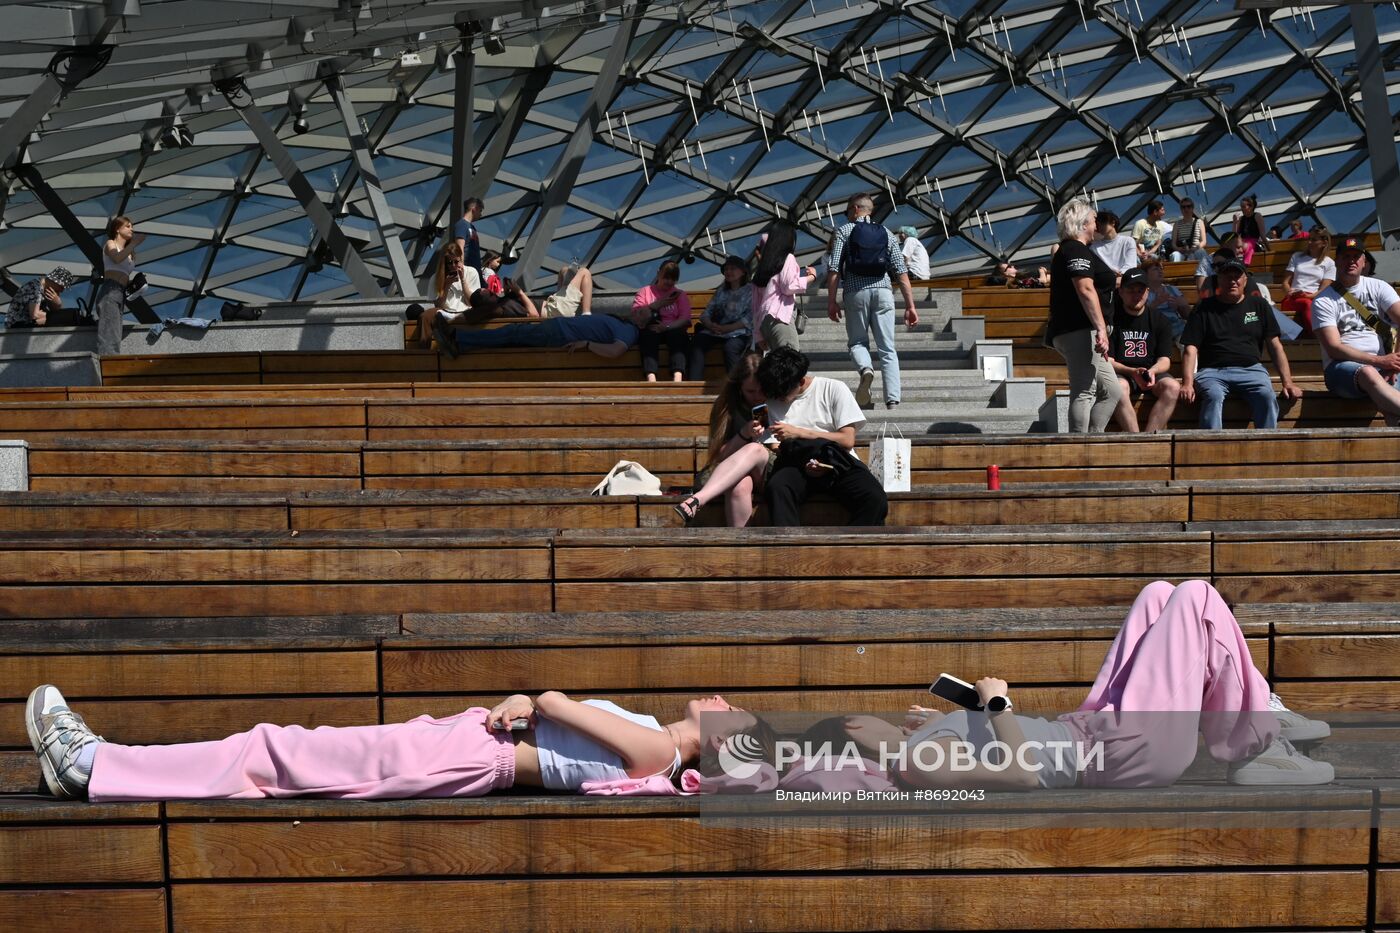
[[872, 309], [1213, 386], [547, 333]]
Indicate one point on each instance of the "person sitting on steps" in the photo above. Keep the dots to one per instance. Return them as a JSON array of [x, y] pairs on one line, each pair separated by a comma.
[[738, 462]]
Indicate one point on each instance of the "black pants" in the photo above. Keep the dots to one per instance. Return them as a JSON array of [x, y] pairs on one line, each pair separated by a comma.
[[703, 342], [857, 489], [677, 341]]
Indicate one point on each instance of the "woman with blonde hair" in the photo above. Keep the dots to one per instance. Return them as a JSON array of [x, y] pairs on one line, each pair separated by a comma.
[[456, 283], [738, 461], [1081, 288]]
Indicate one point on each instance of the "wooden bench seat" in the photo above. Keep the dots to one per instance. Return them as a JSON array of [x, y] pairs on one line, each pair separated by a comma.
[[372, 419], [254, 467], [511, 364], [698, 569], [106, 575], [569, 863], [351, 390]]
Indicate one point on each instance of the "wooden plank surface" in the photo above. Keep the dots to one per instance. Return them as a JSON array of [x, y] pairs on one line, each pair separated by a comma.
[[135, 910], [1357, 654], [739, 665], [844, 902], [80, 854], [282, 849], [106, 600], [201, 718], [193, 673], [1388, 896]]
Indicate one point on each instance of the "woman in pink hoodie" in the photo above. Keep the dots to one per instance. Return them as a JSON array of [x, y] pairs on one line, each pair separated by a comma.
[[777, 281]]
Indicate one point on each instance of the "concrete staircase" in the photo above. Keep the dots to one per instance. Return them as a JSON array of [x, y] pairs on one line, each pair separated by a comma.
[[943, 386]]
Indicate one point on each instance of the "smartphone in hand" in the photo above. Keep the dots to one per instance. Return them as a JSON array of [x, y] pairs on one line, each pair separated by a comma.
[[760, 414], [956, 690], [515, 725]]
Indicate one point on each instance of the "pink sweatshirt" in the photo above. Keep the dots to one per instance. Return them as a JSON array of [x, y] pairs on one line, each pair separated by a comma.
[[779, 297], [673, 313]]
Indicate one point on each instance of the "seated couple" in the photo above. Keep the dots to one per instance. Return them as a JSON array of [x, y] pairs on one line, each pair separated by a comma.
[[778, 432], [1179, 655], [463, 299]]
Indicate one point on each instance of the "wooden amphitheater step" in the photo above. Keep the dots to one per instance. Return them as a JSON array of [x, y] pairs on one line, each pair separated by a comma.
[[1159, 859], [352, 390], [923, 506], [109, 463], [359, 419], [157, 680]]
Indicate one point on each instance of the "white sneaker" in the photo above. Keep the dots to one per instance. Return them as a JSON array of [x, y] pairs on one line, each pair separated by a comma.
[[867, 378], [1280, 764], [1295, 727], [58, 735]]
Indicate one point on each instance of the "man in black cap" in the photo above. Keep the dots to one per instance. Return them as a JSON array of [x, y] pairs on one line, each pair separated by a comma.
[[1224, 339], [39, 302], [1354, 320], [1140, 352]]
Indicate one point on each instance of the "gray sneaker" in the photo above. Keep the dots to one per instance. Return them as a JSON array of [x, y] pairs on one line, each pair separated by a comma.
[[867, 378], [1280, 764], [1295, 727], [58, 735]]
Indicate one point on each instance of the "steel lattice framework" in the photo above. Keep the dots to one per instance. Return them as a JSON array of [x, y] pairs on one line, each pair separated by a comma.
[[972, 121]]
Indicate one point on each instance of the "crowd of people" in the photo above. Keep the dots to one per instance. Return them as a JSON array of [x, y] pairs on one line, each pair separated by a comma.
[[1116, 322], [1113, 317]]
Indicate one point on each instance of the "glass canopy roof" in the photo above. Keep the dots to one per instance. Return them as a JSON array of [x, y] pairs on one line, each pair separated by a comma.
[[972, 121]]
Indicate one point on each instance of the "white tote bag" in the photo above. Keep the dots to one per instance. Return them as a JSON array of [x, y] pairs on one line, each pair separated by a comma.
[[628, 478], [889, 458]]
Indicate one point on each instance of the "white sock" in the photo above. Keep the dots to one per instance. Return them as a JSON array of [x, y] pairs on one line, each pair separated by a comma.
[[85, 758]]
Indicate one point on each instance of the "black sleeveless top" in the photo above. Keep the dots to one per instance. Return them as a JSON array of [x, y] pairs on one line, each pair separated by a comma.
[[1249, 227]]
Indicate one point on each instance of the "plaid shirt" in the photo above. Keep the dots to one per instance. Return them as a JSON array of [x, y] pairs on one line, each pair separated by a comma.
[[894, 266]]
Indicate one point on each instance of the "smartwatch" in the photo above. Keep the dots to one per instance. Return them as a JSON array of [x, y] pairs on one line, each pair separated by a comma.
[[998, 704]]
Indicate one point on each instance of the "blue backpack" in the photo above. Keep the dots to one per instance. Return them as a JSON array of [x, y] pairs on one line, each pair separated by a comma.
[[867, 250]]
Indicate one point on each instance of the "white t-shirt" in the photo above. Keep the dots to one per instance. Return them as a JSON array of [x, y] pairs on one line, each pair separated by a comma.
[[915, 257], [1119, 253], [455, 299], [1330, 309], [568, 758], [1309, 273], [1148, 235], [827, 405]]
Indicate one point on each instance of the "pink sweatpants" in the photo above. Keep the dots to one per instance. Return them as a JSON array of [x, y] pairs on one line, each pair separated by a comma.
[[453, 757], [1179, 665]]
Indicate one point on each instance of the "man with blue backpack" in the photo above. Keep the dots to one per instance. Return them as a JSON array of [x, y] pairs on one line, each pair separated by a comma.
[[864, 258]]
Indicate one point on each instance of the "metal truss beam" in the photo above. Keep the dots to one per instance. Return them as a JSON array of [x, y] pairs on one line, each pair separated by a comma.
[[374, 193], [566, 168], [241, 100]]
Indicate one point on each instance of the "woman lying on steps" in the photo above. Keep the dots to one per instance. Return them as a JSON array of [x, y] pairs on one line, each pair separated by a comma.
[[1178, 666], [557, 743]]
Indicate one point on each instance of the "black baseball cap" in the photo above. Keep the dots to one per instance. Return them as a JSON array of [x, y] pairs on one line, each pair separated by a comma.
[[1230, 265], [1354, 241], [1135, 276]]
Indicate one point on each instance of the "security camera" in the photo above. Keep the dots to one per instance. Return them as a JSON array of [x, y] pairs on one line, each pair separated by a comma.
[[301, 126]]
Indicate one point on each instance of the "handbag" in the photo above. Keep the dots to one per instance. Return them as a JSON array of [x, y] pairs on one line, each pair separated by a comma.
[[890, 457], [628, 478], [799, 322]]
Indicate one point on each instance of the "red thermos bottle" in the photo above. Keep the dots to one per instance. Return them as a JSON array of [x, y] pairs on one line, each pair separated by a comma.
[[993, 477]]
